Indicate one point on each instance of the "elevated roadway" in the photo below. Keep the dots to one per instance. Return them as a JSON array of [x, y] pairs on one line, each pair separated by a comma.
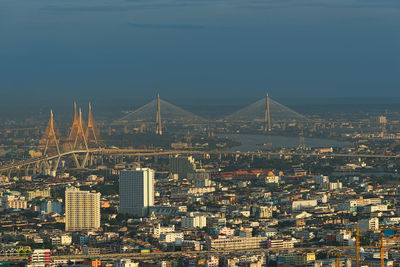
[[153, 152]]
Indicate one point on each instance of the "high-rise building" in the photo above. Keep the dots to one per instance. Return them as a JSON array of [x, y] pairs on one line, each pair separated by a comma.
[[136, 191], [82, 210], [182, 166]]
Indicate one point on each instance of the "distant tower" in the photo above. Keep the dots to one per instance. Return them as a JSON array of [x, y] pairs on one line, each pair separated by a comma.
[[49, 141], [79, 138], [302, 144], [267, 117], [158, 117], [76, 137], [92, 135], [75, 125]]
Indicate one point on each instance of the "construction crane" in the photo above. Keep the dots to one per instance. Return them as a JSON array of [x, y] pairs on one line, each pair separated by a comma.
[[339, 255], [382, 247], [358, 231], [381, 244], [358, 247]]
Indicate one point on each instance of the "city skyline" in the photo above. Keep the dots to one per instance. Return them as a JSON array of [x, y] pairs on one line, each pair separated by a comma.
[[216, 133]]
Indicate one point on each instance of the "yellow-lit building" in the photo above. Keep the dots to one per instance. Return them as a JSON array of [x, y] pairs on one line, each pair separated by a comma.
[[82, 210]]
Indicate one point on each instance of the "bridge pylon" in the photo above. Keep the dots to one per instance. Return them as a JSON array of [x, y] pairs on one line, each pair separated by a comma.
[[75, 124], [92, 134], [49, 142], [158, 117], [267, 115], [76, 138]]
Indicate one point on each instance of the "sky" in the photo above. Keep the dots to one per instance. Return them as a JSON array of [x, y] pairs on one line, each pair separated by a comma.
[[196, 51]]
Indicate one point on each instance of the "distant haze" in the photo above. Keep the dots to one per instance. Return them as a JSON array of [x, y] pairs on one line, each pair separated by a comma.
[[123, 52]]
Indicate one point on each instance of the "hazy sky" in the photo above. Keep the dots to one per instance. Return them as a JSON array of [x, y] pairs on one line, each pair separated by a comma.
[[194, 50]]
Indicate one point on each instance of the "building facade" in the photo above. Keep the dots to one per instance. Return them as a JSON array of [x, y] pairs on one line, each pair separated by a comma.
[[82, 210], [196, 221], [51, 206], [182, 166], [236, 243], [44, 193], [136, 191]]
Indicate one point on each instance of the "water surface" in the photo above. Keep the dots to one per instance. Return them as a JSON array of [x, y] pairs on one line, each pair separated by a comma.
[[253, 142]]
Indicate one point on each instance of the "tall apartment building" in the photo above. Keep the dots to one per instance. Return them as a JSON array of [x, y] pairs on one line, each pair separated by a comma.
[[182, 166], [136, 191], [82, 210]]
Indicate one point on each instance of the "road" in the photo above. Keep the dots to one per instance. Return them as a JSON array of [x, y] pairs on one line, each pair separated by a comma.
[[147, 152], [152, 255]]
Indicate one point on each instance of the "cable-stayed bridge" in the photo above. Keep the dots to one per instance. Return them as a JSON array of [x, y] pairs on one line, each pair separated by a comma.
[[265, 110], [83, 143], [257, 110], [164, 109], [82, 139]]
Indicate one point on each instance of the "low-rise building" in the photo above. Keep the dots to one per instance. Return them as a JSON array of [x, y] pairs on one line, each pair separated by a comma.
[[40, 256], [195, 221], [9, 201], [369, 224], [159, 230], [126, 263], [301, 204], [235, 243], [280, 243], [171, 237], [44, 193]]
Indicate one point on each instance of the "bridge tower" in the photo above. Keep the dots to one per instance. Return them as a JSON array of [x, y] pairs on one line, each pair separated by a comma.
[[76, 137], [302, 144], [49, 142], [158, 116], [267, 116], [92, 134], [50, 146], [74, 127]]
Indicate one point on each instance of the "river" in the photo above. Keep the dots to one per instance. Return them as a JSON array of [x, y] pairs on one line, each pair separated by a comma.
[[254, 142]]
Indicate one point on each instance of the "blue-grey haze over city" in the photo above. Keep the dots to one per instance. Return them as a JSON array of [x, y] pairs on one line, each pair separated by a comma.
[[195, 51]]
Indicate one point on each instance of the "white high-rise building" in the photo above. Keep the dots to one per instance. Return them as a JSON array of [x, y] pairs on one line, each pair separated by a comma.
[[136, 191], [82, 210]]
